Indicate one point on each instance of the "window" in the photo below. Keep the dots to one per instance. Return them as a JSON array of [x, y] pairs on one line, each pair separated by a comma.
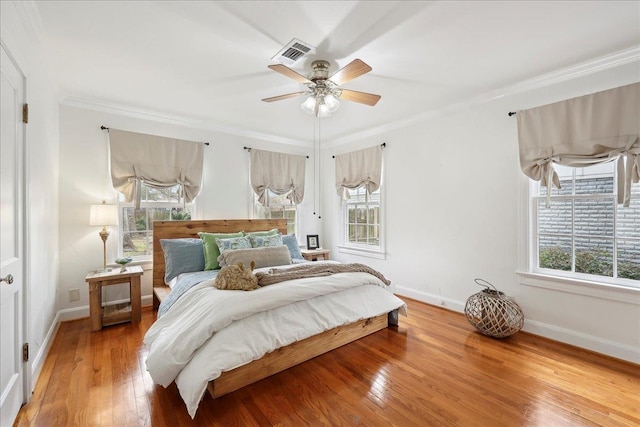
[[136, 226], [362, 219], [281, 207], [585, 233]]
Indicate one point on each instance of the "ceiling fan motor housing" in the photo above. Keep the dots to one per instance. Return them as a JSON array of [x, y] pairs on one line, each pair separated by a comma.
[[320, 70]]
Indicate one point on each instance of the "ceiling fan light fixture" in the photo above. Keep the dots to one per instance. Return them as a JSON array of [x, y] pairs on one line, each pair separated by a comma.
[[309, 105], [332, 103]]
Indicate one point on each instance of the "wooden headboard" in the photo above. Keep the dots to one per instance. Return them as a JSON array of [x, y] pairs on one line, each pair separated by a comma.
[[182, 229]]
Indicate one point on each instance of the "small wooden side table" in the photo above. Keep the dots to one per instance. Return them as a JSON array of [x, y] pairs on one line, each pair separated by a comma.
[[103, 317], [315, 254]]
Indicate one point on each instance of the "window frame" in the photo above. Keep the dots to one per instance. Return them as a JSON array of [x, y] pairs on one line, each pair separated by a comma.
[[371, 251], [256, 206], [121, 204], [616, 289]]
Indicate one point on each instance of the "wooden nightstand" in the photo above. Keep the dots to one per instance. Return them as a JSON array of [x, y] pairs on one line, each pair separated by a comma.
[[315, 254], [110, 316]]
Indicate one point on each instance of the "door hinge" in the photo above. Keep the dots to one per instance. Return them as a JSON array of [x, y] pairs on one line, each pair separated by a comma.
[[25, 113], [25, 352]]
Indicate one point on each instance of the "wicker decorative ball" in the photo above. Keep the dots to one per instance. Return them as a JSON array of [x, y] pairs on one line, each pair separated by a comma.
[[493, 313]]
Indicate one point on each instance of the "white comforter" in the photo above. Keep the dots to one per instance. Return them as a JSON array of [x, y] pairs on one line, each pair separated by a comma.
[[208, 331]]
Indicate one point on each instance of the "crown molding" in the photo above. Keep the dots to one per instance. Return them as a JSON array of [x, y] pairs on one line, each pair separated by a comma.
[[613, 60], [172, 119]]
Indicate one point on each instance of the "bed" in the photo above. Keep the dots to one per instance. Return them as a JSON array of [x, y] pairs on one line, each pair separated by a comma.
[[280, 358]]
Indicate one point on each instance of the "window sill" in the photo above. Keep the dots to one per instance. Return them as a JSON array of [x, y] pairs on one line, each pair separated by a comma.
[[625, 294], [366, 252], [146, 264]]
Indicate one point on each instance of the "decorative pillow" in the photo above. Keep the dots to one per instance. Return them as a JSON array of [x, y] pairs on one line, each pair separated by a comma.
[[262, 241], [272, 232], [263, 257], [292, 243], [211, 251], [233, 243], [181, 256]]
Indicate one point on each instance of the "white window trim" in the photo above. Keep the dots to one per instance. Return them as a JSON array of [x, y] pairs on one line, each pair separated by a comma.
[[378, 252], [144, 259], [253, 202], [620, 291]]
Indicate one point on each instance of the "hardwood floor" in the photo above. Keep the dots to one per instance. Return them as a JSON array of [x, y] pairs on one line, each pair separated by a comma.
[[431, 370]]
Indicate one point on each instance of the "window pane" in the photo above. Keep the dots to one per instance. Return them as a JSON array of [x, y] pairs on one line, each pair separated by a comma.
[[629, 259], [594, 256], [179, 214], [136, 243], [565, 175], [555, 219], [594, 217], [373, 235], [596, 179], [361, 214], [351, 214], [555, 252], [629, 220]]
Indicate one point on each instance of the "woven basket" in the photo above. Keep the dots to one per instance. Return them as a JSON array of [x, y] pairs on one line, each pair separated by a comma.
[[492, 313]]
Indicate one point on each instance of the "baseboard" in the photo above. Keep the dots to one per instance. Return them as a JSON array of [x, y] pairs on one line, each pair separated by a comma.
[[579, 339], [41, 356], [556, 333], [433, 299], [83, 312]]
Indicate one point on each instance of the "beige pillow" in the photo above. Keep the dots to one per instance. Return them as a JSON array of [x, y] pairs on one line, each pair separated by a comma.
[[263, 257]]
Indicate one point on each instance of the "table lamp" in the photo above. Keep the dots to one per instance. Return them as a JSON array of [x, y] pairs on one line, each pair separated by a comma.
[[103, 215]]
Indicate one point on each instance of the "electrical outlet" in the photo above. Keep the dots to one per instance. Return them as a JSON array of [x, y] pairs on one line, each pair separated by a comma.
[[74, 294]]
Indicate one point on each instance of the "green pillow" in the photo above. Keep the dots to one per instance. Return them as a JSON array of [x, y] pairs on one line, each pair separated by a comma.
[[273, 232], [210, 247]]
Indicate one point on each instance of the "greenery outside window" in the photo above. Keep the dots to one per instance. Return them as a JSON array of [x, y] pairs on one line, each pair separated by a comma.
[[281, 207], [585, 233], [362, 220], [136, 226]]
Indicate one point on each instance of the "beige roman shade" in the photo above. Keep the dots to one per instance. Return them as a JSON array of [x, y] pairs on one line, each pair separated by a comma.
[[362, 168], [279, 173], [156, 161], [591, 129]]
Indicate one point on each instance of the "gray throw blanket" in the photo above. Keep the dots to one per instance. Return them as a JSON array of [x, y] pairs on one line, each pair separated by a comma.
[[277, 275]]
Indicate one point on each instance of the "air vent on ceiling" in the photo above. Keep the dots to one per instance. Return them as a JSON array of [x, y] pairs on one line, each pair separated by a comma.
[[293, 51]]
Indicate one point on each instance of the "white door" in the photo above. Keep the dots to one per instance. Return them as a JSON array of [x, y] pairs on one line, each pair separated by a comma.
[[11, 236]]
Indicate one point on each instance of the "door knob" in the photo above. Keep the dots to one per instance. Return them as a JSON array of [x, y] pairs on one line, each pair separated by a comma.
[[8, 279]]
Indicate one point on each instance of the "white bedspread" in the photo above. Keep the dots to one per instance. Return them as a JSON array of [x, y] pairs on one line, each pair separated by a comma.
[[209, 331]]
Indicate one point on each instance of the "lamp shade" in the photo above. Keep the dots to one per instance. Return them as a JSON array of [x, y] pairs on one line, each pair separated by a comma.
[[103, 215]]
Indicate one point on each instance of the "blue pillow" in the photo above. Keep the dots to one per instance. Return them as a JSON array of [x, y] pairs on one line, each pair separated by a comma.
[[264, 241], [181, 256], [233, 243], [292, 243]]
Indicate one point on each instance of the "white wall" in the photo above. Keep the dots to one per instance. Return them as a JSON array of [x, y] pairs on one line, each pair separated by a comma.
[[19, 35], [452, 191], [85, 180]]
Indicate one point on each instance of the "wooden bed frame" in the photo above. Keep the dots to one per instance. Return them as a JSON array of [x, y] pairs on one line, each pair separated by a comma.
[[282, 358]]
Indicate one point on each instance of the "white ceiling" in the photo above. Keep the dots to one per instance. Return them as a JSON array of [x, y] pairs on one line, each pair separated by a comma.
[[206, 61]]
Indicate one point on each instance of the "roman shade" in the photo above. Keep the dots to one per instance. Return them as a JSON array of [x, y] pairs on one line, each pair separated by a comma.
[[156, 161], [362, 168], [279, 173], [591, 129]]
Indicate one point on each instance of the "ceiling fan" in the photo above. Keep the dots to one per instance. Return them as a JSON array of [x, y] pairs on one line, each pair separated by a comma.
[[324, 92]]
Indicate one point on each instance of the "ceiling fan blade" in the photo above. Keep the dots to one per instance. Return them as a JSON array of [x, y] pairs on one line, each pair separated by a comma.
[[287, 96], [361, 97], [350, 71], [283, 69]]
